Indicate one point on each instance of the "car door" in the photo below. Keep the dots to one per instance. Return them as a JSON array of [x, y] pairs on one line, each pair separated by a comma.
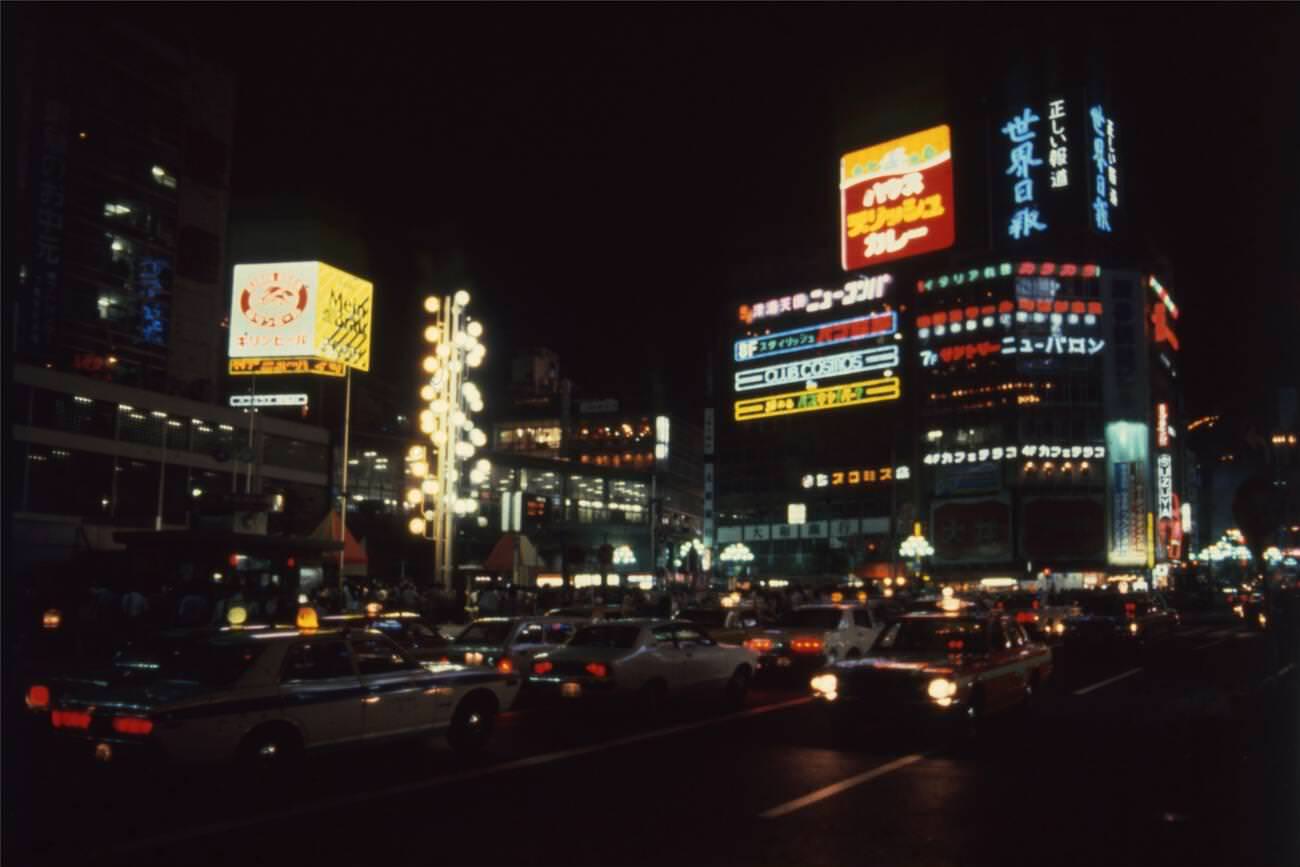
[[664, 658], [1006, 676], [703, 660], [395, 698], [321, 692]]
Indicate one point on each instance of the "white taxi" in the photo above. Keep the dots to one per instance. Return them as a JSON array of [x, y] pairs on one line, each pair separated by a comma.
[[644, 660], [265, 694], [811, 636]]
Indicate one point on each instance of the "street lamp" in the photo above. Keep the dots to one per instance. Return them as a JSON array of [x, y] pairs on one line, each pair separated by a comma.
[[436, 497], [916, 548]]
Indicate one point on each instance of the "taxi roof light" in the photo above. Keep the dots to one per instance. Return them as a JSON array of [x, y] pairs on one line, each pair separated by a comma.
[[51, 619], [237, 615], [307, 618], [373, 609]]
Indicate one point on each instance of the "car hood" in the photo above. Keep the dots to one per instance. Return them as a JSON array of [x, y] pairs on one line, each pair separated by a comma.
[[896, 664]]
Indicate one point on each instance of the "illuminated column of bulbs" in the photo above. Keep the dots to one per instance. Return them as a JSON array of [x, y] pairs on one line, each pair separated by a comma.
[[438, 496]]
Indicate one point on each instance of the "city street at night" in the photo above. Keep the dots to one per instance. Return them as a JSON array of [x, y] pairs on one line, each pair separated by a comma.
[[1183, 757], [584, 435]]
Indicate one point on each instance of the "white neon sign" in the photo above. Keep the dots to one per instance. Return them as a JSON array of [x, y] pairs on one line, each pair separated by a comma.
[[1011, 453], [1165, 485], [857, 291], [1056, 344], [238, 400], [813, 369], [1058, 151]]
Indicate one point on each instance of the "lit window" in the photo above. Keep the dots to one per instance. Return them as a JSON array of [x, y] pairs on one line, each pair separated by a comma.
[[163, 178], [116, 209]]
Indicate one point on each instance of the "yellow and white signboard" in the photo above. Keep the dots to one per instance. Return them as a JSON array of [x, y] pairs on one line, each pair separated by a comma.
[[300, 310]]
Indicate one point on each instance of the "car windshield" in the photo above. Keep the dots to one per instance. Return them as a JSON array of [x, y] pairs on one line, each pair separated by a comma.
[[212, 663], [803, 618], [486, 632], [705, 616], [931, 635], [1105, 604], [622, 636]]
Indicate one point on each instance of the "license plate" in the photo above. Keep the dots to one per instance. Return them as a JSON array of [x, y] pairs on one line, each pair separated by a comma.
[[570, 690]]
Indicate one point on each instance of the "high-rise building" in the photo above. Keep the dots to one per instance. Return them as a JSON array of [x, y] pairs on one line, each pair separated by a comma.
[[122, 192]]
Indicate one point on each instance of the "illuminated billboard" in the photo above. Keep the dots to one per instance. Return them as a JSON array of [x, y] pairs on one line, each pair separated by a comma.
[[285, 366], [817, 399], [1126, 464], [816, 336], [896, 199], [300, 311]]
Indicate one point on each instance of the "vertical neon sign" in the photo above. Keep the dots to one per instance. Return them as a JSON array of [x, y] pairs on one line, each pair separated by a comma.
[[1026, 219], [1105, 173]]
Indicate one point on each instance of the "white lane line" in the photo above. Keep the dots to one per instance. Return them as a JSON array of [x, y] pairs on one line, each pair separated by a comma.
[[216, 828], [835, 788], [1108, 681]]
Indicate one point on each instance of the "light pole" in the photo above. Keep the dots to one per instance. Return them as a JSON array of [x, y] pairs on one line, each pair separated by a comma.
[[436, 495]]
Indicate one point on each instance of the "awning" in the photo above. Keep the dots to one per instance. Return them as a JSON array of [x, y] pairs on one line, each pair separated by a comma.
[[502, 558], [354, 552]]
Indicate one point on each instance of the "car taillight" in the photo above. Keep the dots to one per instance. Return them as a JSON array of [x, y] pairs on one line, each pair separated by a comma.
[[1130, 609], [759, 644], [504, 665], [542, 666], [806, 645], [132, 725], [1026, 617], [70, 719], [597, 669], [38, 697]]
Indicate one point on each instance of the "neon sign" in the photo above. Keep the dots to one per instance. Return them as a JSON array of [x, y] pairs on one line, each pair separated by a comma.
[[813, 369], [814, 336], [1165, 486], [1162, 333], [896, 199], [868, 476], [1056, 344], [1025, 220], [1007, 269], [1058, 154], [854, 292], [1162, 425], [1011, 453], [1105, 175], [1163, 295], [819, 399]]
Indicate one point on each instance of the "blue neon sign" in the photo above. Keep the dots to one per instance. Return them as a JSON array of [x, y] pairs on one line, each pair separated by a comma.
[[1026, 219]]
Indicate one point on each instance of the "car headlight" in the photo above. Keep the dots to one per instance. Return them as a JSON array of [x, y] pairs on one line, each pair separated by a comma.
[[1059, 627], [941, 689], [1133, 628], [826, 685]]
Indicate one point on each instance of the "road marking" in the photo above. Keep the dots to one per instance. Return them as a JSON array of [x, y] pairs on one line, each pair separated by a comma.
[[843, 785], [216, 828], [1108, 681]]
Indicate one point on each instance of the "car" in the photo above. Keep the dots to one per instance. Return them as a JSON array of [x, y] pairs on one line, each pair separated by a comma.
[[810, 636], [1119, 621], [263, 695], [587, 612], [953, 667], [727, 625], [644, 660], [509, 643], [1042, 619], [420, 639]]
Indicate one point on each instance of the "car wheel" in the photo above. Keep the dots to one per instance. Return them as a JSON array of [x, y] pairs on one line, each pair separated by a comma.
[[272, 746], [738, 687], [472, 724]]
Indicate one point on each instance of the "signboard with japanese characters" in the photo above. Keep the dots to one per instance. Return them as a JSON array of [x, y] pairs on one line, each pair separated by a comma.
[[300, 310], [273, 366], [855, 291], [896, 199]]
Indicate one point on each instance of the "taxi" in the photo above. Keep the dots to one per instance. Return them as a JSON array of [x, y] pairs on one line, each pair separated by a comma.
[[508, 644], [420, 639], [642, 660], [957, 665], [728, 625], [811, 636], [263, 694]]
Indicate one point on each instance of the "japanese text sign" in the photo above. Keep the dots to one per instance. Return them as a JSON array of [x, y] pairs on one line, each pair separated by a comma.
[[300, 310], [896, 199]]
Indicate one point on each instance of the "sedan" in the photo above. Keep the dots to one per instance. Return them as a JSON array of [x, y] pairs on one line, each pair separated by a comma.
[[946, 667], [645, 661]]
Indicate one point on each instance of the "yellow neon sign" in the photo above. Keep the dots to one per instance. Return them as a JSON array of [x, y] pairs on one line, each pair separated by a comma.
[[271, 366], [818, 399]]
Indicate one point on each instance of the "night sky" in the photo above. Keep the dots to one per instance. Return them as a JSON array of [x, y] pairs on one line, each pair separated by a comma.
[[602, 170]]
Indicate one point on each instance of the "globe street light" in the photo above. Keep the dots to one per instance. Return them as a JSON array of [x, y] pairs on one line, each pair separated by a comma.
[[435, 496]]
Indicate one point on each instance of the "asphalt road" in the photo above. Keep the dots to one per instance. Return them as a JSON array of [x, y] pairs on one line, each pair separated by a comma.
[[1186, 756]]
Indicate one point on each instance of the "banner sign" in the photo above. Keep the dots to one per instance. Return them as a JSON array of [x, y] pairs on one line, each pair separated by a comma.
[[273, 366]]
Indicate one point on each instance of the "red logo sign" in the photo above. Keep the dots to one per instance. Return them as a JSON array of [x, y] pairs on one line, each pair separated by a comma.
[[271, 302]]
